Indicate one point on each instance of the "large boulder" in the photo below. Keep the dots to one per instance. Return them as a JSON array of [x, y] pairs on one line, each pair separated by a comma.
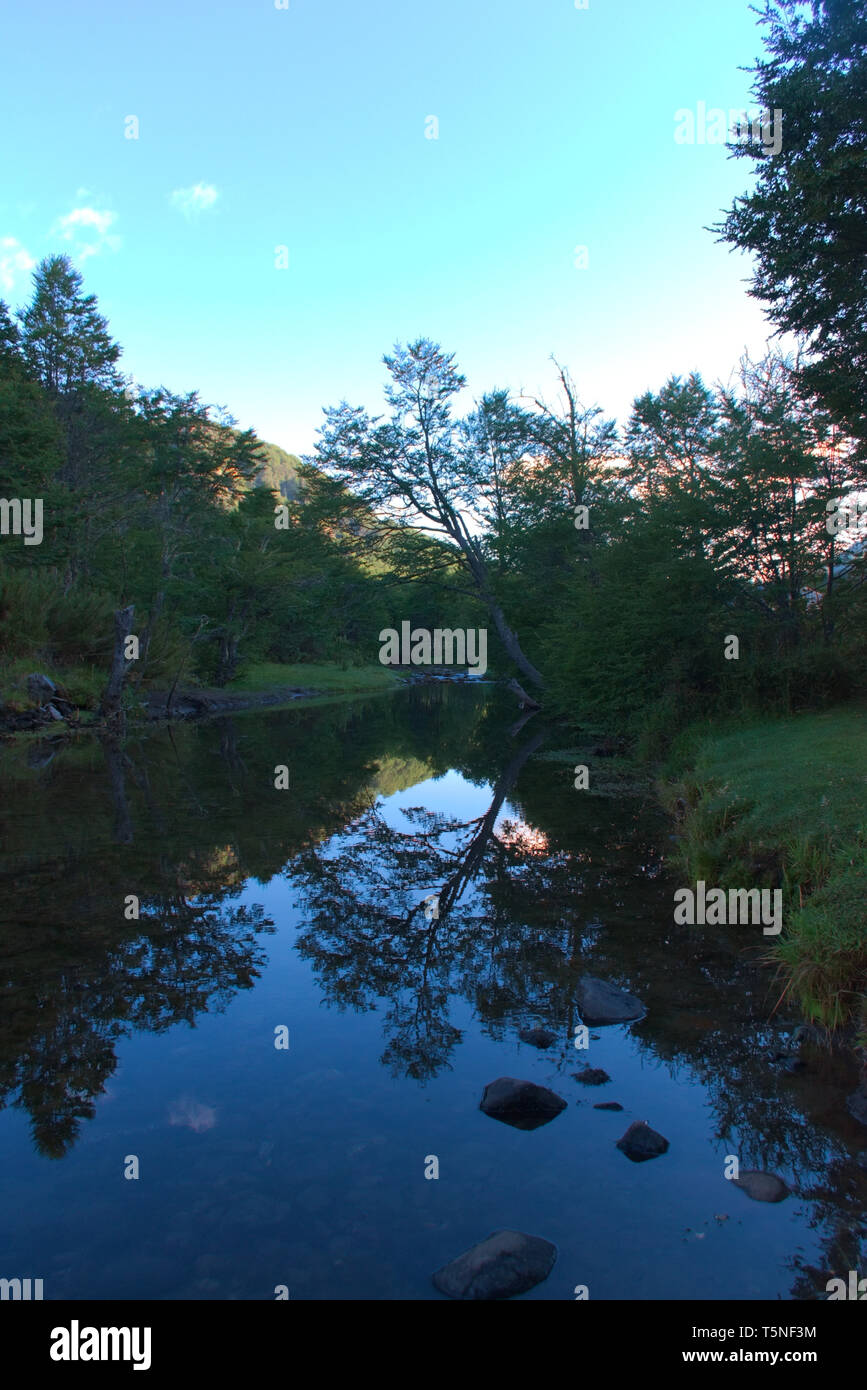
[[520, 1103], [40, 688], [600, 1003], [505, 1264], [762, 1187], [640, 1142]]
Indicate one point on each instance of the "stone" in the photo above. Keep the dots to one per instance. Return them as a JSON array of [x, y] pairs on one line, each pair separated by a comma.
[[592, 1076], [600, 1003], [608, 1105], [640, 1142], [856, 1104], [40, 687], [520, 1103], [505, 1264], [537, 1037], [762, 1187]]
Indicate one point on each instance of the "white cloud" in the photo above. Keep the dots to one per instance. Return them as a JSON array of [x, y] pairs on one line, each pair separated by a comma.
[[14, 262], [198, 198], [88, 230]]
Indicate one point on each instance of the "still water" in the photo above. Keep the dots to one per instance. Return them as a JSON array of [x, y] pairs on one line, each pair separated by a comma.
[[300, 909]]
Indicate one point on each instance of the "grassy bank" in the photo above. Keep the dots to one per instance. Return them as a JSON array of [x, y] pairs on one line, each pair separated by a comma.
[[782, 803], [327, 677], [82, 686]]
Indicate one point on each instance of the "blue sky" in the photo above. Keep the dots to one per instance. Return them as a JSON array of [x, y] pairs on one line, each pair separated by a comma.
[[305, 127]]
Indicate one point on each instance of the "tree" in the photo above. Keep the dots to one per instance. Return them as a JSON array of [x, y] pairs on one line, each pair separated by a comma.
[[806, 220], [413, 466], [577, 447], [190, 470], [770, 453], [64, 337], [30, 449]]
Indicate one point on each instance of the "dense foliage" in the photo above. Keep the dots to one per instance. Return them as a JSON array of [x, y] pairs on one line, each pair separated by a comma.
[[615, 565]]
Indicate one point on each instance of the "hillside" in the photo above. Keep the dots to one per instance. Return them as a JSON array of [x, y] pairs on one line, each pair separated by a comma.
[[280, 471]]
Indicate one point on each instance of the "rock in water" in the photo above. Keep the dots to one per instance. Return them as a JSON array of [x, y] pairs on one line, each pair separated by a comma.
[[856, 1104], [520, 1103], [608, 1105], [640, 1142], [592, 1076], [506, 1264], [537, 1037], [600, 1003], [762, 1187]]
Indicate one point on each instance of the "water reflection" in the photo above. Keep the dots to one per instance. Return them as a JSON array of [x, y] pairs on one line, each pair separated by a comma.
[[130, 902]]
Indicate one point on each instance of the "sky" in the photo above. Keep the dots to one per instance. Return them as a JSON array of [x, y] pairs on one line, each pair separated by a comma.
[[266, 195]]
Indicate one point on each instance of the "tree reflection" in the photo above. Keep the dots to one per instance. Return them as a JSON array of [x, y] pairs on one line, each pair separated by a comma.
[[545, 884], [61, 1022], [387, 917]]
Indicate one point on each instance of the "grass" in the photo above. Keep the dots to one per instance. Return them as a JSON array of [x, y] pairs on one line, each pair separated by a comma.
[[783, 803], [325, 676], [83, 685]]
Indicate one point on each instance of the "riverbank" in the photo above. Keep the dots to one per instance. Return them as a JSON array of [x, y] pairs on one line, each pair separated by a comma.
[[36, 698], [782, 803]]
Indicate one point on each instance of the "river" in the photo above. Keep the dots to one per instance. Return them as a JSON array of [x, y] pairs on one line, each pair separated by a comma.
[[232, 1038]]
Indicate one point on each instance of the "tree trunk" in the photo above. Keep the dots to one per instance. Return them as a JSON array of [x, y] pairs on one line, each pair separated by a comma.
[[508, 638], [527, 702], [114, 761], [110, 705], [228, 660]]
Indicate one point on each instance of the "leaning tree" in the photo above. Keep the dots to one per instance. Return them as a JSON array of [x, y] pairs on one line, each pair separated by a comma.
[[415, 468]]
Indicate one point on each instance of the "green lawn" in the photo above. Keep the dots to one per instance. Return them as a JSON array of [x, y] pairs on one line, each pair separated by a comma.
[[325, 676], [783, 803]]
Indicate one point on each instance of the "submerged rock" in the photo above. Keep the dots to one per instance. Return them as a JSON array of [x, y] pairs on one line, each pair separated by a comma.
[[505, 1264], [762, 1187], [640, 1142], [537, 1037], [592, 1076], [608, 1105], [520, 1103], [600, 1003]]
